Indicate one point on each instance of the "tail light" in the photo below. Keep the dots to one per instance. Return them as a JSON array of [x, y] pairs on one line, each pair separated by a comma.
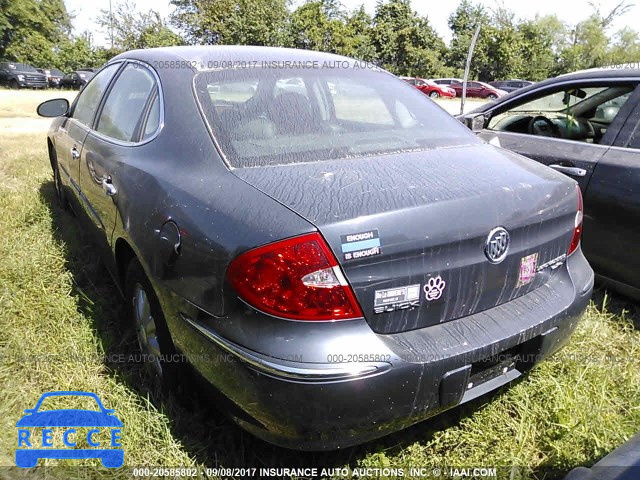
[[298, 278], [577, 229]]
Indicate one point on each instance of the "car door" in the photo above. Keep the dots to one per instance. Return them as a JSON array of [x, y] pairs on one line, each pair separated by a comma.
[[474, 89], [116, 135], [612, 207], [510, 125], [73, 131]]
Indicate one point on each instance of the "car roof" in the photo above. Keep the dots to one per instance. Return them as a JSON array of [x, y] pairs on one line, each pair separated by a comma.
[[204, 57], [625, 70], [586, 75]]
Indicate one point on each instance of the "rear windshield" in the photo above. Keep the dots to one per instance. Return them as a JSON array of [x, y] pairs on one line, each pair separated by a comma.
[[271, 116]]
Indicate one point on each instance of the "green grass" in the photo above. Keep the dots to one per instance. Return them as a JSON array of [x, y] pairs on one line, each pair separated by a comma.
[[57, 302]]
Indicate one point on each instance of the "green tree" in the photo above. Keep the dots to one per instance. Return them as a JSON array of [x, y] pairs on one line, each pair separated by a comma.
[[318, 25], [31, 29], [75, 53], [359, 36], [462, 23], [229, 22], [625, 47], [130, 29], [587, 46], [536, 50], [405, 43]]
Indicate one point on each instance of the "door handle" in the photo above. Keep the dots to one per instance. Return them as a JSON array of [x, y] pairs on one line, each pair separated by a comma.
[[108, 187], [75, 154], [573, 171]]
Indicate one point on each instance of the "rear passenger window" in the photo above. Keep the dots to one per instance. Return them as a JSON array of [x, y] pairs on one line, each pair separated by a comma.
[[89, 98], [125, 105], [634, 142], [153, 119]]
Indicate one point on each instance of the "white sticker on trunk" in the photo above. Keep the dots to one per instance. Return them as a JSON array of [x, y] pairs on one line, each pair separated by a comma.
[[398, 298]]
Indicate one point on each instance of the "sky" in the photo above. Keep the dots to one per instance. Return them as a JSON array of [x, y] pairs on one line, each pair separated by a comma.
[[570, 11]]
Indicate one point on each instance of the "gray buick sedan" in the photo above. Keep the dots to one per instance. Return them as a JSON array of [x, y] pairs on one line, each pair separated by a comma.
[[331, 251]]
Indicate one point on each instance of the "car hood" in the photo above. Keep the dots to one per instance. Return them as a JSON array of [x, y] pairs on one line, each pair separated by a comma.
[[69, 418], [23, 72]]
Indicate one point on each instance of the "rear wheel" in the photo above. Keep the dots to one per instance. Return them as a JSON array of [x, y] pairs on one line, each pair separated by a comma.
[[492, 96], [14, 84], [57, 182], [152, 333], [434, 94]]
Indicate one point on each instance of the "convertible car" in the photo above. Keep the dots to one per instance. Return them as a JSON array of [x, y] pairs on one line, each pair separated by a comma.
[[331, 250], [587, 126]]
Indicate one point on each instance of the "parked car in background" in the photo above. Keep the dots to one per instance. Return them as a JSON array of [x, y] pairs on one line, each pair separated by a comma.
[[293, 85], [586, 125], [430, 88], [76, 80], [21, 75], [338, 267], [446, 81], [510, 85], [88, 69], [479, 90], [53, 76]]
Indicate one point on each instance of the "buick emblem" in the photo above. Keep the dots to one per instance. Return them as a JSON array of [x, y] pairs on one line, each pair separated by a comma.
[[497, 245]]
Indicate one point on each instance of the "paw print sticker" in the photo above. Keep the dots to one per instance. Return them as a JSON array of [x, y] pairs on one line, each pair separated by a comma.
[[434, 287]]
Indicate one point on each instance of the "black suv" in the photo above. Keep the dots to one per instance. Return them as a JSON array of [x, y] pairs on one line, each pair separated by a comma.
[[21, 75]]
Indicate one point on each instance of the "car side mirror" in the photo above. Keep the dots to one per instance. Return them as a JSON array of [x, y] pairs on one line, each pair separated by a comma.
[[474, 122], [53, 108]]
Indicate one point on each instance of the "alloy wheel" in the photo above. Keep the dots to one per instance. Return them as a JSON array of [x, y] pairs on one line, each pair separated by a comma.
[[146, 330]]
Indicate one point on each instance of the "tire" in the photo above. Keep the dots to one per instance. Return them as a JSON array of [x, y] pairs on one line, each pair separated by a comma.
[[61, 196], [434, 94], [491, 96], [14, 84], [154, 340]]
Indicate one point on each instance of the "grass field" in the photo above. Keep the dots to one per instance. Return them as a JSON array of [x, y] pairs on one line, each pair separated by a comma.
[[60, 326]]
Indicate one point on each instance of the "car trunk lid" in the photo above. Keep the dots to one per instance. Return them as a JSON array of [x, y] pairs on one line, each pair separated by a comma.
[[411, 230]]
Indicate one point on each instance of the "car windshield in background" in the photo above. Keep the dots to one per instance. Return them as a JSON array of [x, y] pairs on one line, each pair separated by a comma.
[[561, 100], [271, 116], [22, 67]]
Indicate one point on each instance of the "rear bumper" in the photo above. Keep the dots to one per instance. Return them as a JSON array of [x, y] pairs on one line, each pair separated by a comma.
[[357, 395]]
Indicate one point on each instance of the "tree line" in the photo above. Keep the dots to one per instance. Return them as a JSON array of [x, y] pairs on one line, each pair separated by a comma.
[[395, 36]]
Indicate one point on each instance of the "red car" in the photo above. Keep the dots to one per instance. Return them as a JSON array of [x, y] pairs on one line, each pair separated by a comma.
[[479, 89], [430, 88]]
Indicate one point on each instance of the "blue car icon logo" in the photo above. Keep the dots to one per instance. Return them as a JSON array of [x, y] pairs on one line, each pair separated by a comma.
[[31, 448]]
